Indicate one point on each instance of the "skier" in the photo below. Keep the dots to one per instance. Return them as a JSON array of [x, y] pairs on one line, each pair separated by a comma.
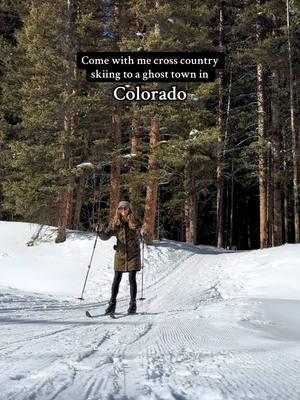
[[128, 256]]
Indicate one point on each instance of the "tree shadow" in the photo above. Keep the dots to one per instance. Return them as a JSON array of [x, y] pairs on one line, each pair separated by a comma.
[[19, 321], [198, 249]]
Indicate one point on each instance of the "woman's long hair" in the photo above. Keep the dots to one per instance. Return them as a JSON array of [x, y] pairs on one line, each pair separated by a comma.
[[131, 219]]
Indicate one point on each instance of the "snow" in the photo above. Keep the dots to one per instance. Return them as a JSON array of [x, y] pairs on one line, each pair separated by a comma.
[[215, 325], [85, 165], [131, 155]]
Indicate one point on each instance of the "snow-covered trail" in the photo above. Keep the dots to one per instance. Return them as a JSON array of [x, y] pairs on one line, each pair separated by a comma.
[[200, 334], [175, 348]]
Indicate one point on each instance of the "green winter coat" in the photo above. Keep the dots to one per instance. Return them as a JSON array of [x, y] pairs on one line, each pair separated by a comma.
[[128, 254]]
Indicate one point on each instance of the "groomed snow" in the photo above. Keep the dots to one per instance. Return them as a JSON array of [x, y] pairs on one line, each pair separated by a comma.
[[215, 325]]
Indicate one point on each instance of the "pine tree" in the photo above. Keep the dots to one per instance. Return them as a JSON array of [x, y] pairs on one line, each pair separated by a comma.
[[58, 116]]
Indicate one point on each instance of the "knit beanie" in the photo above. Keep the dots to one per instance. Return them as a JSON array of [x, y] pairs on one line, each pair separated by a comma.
[[124, 204]]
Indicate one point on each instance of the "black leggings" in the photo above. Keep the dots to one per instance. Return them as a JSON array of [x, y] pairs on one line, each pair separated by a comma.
[[116, 284]]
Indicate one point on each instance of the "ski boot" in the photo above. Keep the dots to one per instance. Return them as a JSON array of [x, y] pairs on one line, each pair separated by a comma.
[[132, 307], [111, 307]]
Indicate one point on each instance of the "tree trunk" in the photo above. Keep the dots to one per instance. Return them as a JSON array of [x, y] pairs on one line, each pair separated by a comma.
[[221, 141], [229, 215], [78, 205], [134, 147], [157, 26], [262, 159], [293, 131], [134, 140], [277, 208], [115, 175], [263, 212], [231, 206], [66, 206], [285, 187], [270, 195], [65, 201], [190, 204], [152, 186], [62, 221]]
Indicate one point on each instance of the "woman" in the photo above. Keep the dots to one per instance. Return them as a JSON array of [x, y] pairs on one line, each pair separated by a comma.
[[128, 256]]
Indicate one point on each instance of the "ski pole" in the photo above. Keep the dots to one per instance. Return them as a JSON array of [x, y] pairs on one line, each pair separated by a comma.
[[89, 267], [143, 259]]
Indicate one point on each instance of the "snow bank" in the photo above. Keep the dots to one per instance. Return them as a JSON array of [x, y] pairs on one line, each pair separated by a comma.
[[269, 273], [60, 269]]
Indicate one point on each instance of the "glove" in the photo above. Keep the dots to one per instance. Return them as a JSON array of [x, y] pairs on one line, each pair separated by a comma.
[[99, 228], [143, 233]]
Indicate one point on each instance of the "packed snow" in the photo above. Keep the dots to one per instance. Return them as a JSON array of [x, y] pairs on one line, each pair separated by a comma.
[[215, 325]]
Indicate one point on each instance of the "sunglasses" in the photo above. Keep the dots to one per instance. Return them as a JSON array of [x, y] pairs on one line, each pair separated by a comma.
[[123, 208]]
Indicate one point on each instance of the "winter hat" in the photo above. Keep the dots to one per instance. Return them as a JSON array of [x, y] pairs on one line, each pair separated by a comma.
[[124, 204]]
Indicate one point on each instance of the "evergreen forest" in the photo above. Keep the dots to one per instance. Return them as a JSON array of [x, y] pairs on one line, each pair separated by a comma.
[[220, 168]]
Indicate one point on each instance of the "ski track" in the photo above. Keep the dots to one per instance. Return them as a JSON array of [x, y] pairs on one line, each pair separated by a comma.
[[179, 347]]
